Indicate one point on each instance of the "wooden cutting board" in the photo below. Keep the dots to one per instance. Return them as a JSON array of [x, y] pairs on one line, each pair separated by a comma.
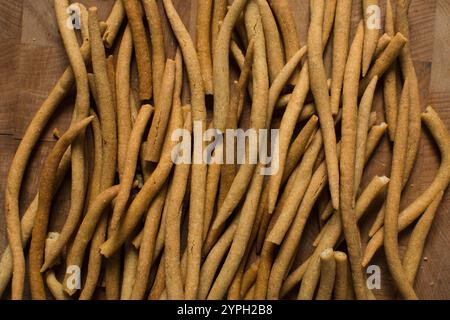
[[32, 59]]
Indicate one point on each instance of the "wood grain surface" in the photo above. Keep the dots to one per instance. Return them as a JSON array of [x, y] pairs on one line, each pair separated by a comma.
[[32, 59]]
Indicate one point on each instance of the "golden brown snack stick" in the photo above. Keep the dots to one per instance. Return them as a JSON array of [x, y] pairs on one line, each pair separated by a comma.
[[275, 53], [172, 245], [386, 59], [408, 71], [203, 45], [237, 100], [340, 285], [131, 255], [113, 23], [328, 21], [393, 199], [157, 42], [87, 229], [214, 258], [319, 89], [199, 171], [130, 165], [159, 284], [341, 38], [327, 275], [363, 122], [286, 131], [218, 15], [257, 121], [249, 277], [160, 121], [144, 65], [390, 79], [416, 243], [286, 23], [371, 31], [55, 286], [298, 146], [122, 85], [302, 180], [47, 181], [347, 164], [147, 247], [240, 241], [383, 42]]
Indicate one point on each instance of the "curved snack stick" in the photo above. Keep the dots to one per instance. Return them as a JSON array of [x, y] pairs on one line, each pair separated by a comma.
[[327, 275], [129, 271], [386, 59], [87, 229], [441, 181], [142, 53], [203, 27], [160, 121], [228, 171], [275, 54], [249, 277], [131, 161], [172, 245], [371, 32], [147, 247], [340, 285], [328, 21], [390, 79], [55, 286], [213, 260], [286, 131], [113, 23], [285, 19], [221, 64], [383, 42], [363, 120], [47, 181], [199, 171], [257, 121], [293, 279], [26, 223], [159, 284], [416, 244], [158, 51], [302, 180], [341, 38], [408, 71], [122, 85], [218, 15], [280, 81], [347, 164], [319, 89], [298, 146], [95, 259], [240, 241], [393, 199]]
